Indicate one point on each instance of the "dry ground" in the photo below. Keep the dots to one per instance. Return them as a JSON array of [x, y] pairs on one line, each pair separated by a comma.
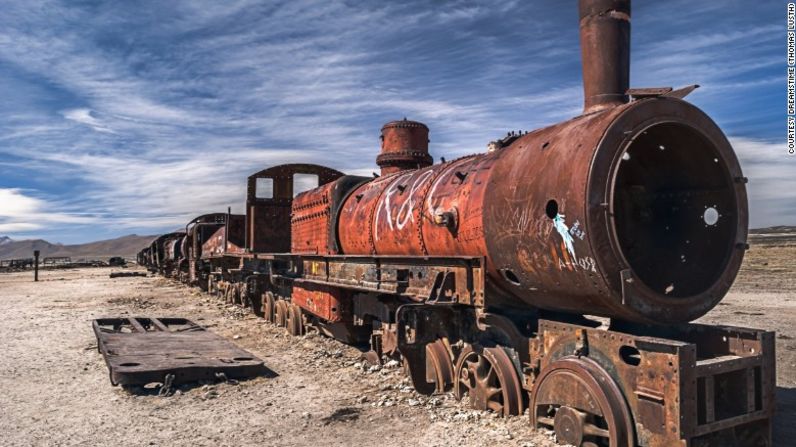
[[54, 386]]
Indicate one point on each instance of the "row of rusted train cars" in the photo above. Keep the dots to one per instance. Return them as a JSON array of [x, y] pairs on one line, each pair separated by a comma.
[[634, 385], [556, 273]]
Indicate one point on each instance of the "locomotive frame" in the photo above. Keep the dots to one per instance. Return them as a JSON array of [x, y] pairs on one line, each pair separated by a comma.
[[686, 384]]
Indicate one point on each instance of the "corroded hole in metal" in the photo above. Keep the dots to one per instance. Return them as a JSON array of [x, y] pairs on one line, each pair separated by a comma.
[[551, 209], [630, 355], [510, 276], [660, 201]]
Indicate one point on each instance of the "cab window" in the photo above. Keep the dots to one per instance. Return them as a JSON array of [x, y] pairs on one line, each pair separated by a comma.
[[304, 182], [264, 188]]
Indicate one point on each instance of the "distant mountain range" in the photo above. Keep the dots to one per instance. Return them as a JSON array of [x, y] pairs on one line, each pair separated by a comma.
[[774, 230], [126, 246]]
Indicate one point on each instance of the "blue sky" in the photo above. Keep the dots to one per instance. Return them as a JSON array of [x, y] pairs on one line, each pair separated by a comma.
[[133, 116]]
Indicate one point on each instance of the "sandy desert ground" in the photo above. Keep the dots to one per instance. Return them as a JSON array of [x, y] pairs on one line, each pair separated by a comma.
[[54, 387]]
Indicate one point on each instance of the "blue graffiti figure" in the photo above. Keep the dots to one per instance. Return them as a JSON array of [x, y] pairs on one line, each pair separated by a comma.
[[563, 230]]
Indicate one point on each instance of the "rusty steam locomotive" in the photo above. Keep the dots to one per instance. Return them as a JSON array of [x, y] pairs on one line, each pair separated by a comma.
[[557, 272]]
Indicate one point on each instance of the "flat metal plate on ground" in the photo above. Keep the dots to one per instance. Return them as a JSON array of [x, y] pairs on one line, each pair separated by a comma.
[[141, 350]]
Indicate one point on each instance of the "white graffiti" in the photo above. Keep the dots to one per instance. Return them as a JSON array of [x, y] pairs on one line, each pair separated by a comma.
[[585, 263], [432, 210], [577, 231], [572, 262], [404, 214], [563, 230]]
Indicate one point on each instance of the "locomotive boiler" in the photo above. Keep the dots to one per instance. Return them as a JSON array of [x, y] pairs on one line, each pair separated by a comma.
[[557, 272], [637, 212]]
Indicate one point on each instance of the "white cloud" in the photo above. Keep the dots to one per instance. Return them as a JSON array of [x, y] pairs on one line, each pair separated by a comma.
[[20, 212], [85, 116], [15, 204], [18, 227], [772, 182]]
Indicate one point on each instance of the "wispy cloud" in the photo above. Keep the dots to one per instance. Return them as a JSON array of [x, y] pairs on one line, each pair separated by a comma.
[[23, 213], [143, 115], [85, 116], [772, 183]]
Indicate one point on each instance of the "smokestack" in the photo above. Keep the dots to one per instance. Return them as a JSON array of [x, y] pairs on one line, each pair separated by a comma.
[[404, 145], [605, 48]]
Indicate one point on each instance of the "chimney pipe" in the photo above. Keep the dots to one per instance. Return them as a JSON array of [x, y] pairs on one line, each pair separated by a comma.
[[404, 145], [605, 49]]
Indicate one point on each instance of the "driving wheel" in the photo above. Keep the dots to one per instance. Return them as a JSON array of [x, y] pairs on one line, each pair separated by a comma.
[[578, 399], [490, 381]]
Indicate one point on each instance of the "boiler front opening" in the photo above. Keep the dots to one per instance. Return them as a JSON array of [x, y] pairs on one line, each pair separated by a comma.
[[674, 210]]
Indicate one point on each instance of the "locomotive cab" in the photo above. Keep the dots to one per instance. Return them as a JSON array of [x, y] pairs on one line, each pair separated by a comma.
[[269, 198]]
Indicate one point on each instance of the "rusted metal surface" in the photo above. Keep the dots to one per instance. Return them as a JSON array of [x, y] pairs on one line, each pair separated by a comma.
[[439, 365], [310, 221], [228, 239], [432, 279], [579, 400], [487, 376], [665, 378], [172, 254], [404, 145], [314, 215], [483, 274], [330, 304], [641, 178], [648, 92], [144, 350], [432, 211], [197, 232], [270, 194], [295, 320], [163, 253], [605, 48]]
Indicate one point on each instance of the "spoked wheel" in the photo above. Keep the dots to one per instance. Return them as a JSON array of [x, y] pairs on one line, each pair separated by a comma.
[[269, 307], [231, 292], [254, 302], [280, 315], [295, 324], [439, 366], [235, 294], [582, 404], [490, 381], [243, 294]]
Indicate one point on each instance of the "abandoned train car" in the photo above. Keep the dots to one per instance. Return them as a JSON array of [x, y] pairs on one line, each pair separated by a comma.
[[557, 272]]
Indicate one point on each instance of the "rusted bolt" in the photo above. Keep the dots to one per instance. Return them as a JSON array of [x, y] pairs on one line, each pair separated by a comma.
[[447, 218]]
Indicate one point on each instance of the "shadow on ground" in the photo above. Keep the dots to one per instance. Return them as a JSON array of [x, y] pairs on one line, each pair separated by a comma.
[[157, 388], [784, 428]]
